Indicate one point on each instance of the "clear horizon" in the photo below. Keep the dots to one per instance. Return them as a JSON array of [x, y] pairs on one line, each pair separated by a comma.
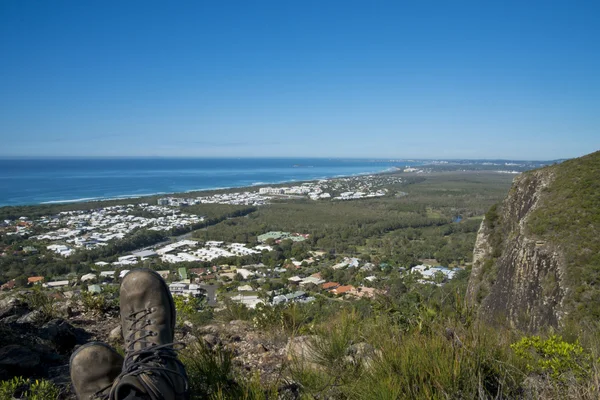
[[371, 159], [392, 80]]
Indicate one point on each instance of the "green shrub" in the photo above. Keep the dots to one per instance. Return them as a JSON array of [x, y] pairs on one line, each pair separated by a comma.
[[192, 309], [39, 299], [20, 388], [98, 302], [553, 356]]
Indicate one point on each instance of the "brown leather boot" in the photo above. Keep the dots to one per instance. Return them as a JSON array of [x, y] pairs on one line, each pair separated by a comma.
[[151, 366], [94, 367]]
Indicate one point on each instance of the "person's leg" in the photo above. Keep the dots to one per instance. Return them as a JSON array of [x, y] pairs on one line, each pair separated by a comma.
[[93, 369], [151, 366]]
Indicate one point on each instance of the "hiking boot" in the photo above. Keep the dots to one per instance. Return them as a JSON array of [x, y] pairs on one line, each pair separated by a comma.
[[94, 366], [151, 366]]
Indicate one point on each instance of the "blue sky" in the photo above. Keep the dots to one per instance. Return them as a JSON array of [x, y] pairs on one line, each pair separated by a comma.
[[427, 79]]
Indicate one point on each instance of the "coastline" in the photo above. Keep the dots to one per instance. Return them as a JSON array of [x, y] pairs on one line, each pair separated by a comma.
[[196, 191]]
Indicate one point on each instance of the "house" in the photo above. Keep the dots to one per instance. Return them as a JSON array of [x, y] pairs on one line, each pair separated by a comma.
[[127, 259], [107, 274], [295, 279], [249, 301], [197, 271], [296, 296], [330, 285], [363, 292], [56, 284], [429, 272], [342, 290], [185, 289], [206, 277], [245, 273], [279, 299], [34, 280], [123, 273], [9, 285], [101, 263], [29, 250], [312, 280], [144, 254], [245, 288], [177, 288], [88, 277], [271, 235]]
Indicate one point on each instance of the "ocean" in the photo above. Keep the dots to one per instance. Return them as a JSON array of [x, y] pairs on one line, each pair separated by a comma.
[[37, 181]]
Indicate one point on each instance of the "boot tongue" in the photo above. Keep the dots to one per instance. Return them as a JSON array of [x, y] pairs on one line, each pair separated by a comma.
[[126, 385]]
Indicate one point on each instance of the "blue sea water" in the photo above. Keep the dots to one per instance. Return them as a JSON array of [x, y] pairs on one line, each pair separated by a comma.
[[35, 181]]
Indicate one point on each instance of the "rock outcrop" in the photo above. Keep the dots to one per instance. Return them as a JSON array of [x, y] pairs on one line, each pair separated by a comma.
[[524, 269]]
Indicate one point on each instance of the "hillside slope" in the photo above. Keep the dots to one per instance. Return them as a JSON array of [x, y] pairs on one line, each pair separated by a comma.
[[537, 256]]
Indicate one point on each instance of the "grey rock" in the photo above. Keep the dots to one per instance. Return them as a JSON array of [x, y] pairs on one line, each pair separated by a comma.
[[210, 339], [260, 348], [18, 357], [188, 339], [11, 319], [11, 306], [61, 334], [30, 318], [9, 301], [115, 335], [301, 349]]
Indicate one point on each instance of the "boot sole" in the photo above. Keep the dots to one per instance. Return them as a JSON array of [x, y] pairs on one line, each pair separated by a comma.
[[164, 284], [85, 346], [90, 344]]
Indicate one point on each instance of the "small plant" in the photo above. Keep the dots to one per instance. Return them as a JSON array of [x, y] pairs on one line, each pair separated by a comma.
[[192, 309], [99, 302], [20, 388], [210, 371], [553, 356], [40, 300], [42, 390]]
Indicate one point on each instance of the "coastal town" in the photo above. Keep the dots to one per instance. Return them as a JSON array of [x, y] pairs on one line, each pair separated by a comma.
[[291, 281], [346, 188], [274, 268]]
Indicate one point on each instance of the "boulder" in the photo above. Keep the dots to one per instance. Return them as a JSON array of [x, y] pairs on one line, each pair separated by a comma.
[[61, 334], [210, 339], [363, 353], [301, 349], [30, 318], [213, 329], [17, 360], [10, 306]]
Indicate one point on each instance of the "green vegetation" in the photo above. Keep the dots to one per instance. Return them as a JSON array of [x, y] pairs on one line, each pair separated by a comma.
[[104, 302], [20, 388], [41, 301], [422, 342], [553, 356], [569, 217], [211, 376], [192, 309], [398, 230]]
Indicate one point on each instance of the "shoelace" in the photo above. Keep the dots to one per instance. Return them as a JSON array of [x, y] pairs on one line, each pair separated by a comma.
[[101, 396], [151, 357]]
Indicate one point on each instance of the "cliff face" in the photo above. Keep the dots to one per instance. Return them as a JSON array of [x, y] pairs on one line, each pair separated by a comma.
[[525, 268]]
